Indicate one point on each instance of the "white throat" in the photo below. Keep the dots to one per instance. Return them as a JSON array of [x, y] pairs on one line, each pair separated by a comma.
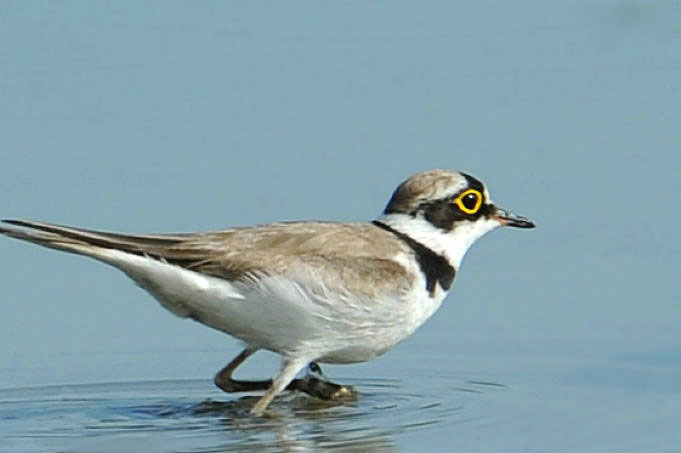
[[453, 245]]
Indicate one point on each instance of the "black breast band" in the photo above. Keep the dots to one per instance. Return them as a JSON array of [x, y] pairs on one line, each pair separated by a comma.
[[435, 267]]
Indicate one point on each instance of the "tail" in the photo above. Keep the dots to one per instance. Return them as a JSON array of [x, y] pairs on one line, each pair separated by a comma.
[[160, 263], [92, 243]]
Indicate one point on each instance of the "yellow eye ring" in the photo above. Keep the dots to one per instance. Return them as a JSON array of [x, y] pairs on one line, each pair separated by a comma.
[[469, 201]]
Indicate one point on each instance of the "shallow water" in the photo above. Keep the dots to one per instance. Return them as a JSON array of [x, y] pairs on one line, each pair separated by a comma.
[[197, 116], [564, 398], [188, 416]]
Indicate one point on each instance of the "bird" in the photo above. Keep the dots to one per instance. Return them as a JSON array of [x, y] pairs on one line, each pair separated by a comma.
[[311, 291]]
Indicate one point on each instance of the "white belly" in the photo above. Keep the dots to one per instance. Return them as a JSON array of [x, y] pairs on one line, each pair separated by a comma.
[[281, 315]]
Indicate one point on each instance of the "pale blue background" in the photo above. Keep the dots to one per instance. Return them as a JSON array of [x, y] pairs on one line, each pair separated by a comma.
[[184, 116]]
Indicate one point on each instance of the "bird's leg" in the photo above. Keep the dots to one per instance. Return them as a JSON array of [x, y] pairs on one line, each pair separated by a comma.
[[288, 371], [312, 385], [224, 377]]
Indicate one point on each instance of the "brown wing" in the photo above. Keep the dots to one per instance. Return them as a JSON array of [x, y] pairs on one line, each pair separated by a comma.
[[358, 257], [352, 256]]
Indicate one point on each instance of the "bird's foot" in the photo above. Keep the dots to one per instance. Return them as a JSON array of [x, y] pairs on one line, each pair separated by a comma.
[[317, 385]]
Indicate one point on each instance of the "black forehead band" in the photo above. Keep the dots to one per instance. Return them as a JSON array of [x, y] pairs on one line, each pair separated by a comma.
[[471, 182], [474, 183]]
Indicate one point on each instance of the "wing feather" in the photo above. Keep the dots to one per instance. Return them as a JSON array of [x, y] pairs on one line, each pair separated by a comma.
[[356, 257]]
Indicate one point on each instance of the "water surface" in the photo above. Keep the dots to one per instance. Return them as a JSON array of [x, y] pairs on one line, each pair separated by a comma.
[[509, 397], [187, 116]]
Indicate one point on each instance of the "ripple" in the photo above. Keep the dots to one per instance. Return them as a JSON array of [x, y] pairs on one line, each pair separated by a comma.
[[189, 415]]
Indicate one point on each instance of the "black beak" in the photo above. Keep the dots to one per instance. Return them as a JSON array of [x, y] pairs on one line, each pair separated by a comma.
[[509, 219]]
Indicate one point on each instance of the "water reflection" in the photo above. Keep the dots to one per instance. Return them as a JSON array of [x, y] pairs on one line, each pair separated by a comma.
[[295, 423], [177, 415], [514, 398]]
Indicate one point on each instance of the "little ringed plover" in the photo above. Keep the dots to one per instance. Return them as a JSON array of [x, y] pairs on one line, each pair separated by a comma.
[[313, 292]]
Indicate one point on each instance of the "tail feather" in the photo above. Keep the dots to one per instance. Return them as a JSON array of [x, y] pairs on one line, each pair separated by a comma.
[[41, 238], [79, 240], [158, 263], [106, 239]]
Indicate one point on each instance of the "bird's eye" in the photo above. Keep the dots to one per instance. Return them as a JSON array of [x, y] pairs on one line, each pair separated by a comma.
[[469, 201]]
